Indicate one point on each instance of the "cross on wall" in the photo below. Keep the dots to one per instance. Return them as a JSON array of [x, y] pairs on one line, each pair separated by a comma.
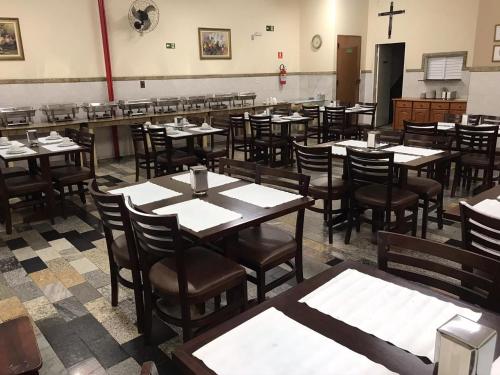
[[391, 13]]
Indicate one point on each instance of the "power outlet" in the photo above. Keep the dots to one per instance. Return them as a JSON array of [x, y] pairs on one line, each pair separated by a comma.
[[170, 45], [269, 28], [142, 84]]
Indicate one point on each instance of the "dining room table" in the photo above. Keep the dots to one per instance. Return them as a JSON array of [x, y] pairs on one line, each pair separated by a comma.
[[301, 329], [452, 211]]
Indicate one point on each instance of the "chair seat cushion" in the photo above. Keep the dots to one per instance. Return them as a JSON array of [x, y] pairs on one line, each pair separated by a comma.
[[119, 248], [265, 141], [423, 186], [318, 187], [375, 196], [210, 154], [21, 185], [264, 245], [179, 158], [13, 171], [299, 137], [207, 272], [71, 174], [478, 160]]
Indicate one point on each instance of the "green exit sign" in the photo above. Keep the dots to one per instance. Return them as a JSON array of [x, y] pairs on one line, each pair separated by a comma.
[[170, 45], [269, 28]]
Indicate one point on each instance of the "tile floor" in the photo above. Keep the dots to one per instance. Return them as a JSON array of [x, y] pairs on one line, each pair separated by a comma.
[[59, 276]]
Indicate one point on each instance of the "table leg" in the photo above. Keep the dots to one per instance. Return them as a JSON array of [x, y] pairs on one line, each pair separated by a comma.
[[45, 169]]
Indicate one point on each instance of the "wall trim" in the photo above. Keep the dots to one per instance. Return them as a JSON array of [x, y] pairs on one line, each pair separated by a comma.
[[485, 69], [366, 71], [170, 77]]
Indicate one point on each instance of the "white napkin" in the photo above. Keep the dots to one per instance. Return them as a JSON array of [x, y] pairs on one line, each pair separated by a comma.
[[207, 130], [490, 207], [12, 143], [403, 158], [261, 196], [48, 141], [272, 343], [214, 179], [199, 215], [58, 147], [27, 151], [414, 150], [178, 133], [401, 316], [146, 193]]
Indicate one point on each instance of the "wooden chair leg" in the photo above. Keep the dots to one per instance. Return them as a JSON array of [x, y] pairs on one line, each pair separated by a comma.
[[348, 231], [414, 221], [439, 210], [425, 216], [299, 269], [187, 329], [114, 283], [81, 192], [261, 285], [456, 179], [8, 220], [330, 222], [136, 169], [148, 312], [139, 300]]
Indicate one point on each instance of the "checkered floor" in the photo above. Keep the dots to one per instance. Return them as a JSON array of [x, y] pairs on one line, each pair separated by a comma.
[[59, 276]]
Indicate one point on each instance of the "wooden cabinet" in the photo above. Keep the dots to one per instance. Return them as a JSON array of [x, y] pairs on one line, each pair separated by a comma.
[[425, 110]]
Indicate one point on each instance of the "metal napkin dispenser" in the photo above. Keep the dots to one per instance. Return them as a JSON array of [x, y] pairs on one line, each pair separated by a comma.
[[464, 347], [100, 110], [373, 139], [16, 116], [60, 112], [199, 180]]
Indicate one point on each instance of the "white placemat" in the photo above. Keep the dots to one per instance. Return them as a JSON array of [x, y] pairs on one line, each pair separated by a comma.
[[403, 158], [58, 147], [179, 134], [27, 151], [354, 143], [214, 179], [490, 207], [11, 143], [146, 193], [337, 150], [401, 316], [48, 141], [278, 345], [414, 150], [199, 215], [298, 118], [446, 125], [261, 196], [205, 131]]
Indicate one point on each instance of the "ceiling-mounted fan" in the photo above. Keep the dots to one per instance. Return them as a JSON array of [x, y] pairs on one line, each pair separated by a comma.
[[143, 15]]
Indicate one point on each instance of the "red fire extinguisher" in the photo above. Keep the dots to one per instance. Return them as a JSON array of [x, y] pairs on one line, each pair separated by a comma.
[[282, 75]]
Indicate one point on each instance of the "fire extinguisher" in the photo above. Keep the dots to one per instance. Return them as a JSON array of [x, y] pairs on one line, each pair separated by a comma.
[[282, 75]]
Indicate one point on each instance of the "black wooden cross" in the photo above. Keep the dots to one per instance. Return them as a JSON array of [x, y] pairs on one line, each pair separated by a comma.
[[391, 13]]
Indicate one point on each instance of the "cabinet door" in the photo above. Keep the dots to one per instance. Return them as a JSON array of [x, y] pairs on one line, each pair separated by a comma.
[[437, 115], [401, 115], [420, 115]]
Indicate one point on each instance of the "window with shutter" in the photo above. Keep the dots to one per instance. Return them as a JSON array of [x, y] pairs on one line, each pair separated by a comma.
[[444, 67]]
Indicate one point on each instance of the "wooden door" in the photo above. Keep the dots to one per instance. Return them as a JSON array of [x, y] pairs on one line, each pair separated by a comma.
[[348, 68]]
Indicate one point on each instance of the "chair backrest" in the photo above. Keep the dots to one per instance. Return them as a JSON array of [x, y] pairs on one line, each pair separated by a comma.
[[311, 111], [429, 128], [71, 134], [159, 140], [480, 233], [317, 159], [87, 141], [261, 126], [283, 110], [237, 168], [441, 142], [114, 217], [491, 120], [441, 266], [335, 117], [453, 117], [139, 139], [221, 122], [238, 126], [392, 137], [196, 120], [477, 140], [372, 109]]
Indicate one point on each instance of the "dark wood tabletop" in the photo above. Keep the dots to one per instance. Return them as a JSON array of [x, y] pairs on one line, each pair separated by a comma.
[[375, 349], [251, 215], [452, 212]]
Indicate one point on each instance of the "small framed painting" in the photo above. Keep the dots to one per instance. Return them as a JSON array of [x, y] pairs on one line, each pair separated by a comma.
[[497, 33], [11, 45], [215, 44], [496, 54]]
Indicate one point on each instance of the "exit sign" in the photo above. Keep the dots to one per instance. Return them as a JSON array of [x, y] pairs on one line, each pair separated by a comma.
[[269, 28], [170, 45]]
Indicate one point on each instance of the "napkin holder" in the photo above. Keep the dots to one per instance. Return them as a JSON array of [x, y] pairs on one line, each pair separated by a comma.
[[465, 120], [32, 137], [199, 180], [373, 139], [464, 347]]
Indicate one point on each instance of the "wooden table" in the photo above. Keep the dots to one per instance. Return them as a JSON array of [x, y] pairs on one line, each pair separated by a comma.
[[251, 215], [452, 212], [19, 353], [377, 350]]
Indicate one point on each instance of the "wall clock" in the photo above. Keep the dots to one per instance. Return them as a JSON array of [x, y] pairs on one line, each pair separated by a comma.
[[316, 42]]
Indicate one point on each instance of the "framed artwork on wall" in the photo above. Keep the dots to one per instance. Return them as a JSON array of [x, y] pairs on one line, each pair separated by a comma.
[[11, 44], [496, 54], [215, 44], [497, 33]]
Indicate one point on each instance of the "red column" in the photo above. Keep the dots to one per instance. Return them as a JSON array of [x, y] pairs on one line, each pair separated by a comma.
[[109, 74]]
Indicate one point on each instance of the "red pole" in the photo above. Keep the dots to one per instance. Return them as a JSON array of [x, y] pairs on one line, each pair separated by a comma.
[[109, 74]]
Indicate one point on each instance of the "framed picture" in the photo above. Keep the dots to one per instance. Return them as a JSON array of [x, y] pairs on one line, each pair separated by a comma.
[[215, 44], [496, 54], [11, 45], [497, 33]]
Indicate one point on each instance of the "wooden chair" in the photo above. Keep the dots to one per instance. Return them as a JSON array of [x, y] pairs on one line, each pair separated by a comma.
[[174, 273], [265, 247], [22, 186], [477, 146], [122, 253], [480, 233], [243, 170], [335, 124], [239, 139], [325, 187], [442, 267], [392, 137], [371, 185], [78, 173], [142, 155], [315, 129], [425, 128], [69, 158], [167, 159], [264, 143], [372, 109], [219, 144], [283, 110], [490, 120]]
